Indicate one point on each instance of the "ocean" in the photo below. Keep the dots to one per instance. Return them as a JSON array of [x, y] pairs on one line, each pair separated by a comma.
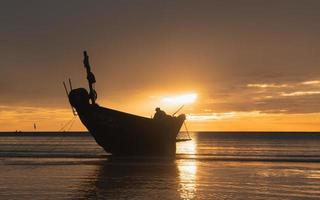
[[210, 166]]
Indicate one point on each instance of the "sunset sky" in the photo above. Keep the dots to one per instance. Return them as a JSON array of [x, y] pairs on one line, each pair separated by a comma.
[[246, 65]]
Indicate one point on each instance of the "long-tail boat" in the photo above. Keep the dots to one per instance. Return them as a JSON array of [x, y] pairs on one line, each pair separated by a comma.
[[121, 133]]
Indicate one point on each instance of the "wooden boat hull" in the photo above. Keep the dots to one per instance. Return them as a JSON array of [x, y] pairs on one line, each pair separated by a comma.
[[125, 134]]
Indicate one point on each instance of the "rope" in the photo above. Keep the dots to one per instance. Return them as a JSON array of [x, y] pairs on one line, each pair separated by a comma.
[[71, 124], [66, 124], [185, 126], [178, 110]]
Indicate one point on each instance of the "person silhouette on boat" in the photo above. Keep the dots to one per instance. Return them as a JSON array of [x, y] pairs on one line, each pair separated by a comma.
[[160, 114]]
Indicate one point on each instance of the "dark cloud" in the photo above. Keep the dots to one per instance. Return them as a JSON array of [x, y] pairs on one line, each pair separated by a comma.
[[288, 97]]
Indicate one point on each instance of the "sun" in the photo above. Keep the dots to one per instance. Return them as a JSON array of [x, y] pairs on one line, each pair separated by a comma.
[[188, 98]]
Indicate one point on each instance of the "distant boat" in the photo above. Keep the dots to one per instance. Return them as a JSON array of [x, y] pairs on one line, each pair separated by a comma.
[[122, 133]]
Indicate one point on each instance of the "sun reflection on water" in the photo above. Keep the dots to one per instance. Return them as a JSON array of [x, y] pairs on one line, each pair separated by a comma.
[[187, 170], [187, 147], [187, 179]]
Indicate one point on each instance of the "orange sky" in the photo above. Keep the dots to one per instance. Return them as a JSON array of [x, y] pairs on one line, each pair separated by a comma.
[[55, 120], [254, 65]]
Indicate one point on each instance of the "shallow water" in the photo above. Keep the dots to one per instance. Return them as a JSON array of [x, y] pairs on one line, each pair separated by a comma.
[[211, 166]]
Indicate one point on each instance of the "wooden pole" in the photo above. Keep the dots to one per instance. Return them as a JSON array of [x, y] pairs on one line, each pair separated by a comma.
[[67, 93], [178, 110], [70, 84]]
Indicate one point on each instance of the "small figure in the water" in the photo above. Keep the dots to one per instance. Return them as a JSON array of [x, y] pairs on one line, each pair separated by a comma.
[[160, 114]]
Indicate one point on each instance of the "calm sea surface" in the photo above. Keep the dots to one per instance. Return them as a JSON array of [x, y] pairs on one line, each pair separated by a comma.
[[211, 166]]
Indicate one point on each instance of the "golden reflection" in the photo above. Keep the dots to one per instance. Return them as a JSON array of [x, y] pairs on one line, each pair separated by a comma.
[[187, 147], [187, 179], [187, 169]]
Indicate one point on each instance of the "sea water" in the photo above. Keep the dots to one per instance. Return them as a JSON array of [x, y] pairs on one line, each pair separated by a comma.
[[210, 166]]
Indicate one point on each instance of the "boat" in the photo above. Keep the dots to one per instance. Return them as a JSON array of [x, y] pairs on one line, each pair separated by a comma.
[[121, 133]]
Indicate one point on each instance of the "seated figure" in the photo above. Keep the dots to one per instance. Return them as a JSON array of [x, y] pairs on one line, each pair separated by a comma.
[[160, 114]]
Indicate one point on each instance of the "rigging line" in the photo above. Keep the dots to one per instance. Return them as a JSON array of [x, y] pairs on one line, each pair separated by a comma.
[[185, 126], [178, 110], [65, 88], [66, 124], [71, 124], [60, 139], [56, 140], [63, 127]]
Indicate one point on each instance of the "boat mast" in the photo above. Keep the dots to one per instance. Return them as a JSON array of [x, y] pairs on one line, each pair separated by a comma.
[[90, 77]]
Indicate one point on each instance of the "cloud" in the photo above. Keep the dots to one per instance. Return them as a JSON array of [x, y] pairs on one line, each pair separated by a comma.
[[265, 85], [313, 82], [202, 117], [293, 104], [290, 97], [209, 116], [299, 93]]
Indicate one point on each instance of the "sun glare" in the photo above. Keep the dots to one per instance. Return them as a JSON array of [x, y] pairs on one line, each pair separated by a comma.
[[181, 99]]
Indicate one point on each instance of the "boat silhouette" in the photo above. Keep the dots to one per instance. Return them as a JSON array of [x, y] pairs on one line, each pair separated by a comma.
[[121, 133]]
